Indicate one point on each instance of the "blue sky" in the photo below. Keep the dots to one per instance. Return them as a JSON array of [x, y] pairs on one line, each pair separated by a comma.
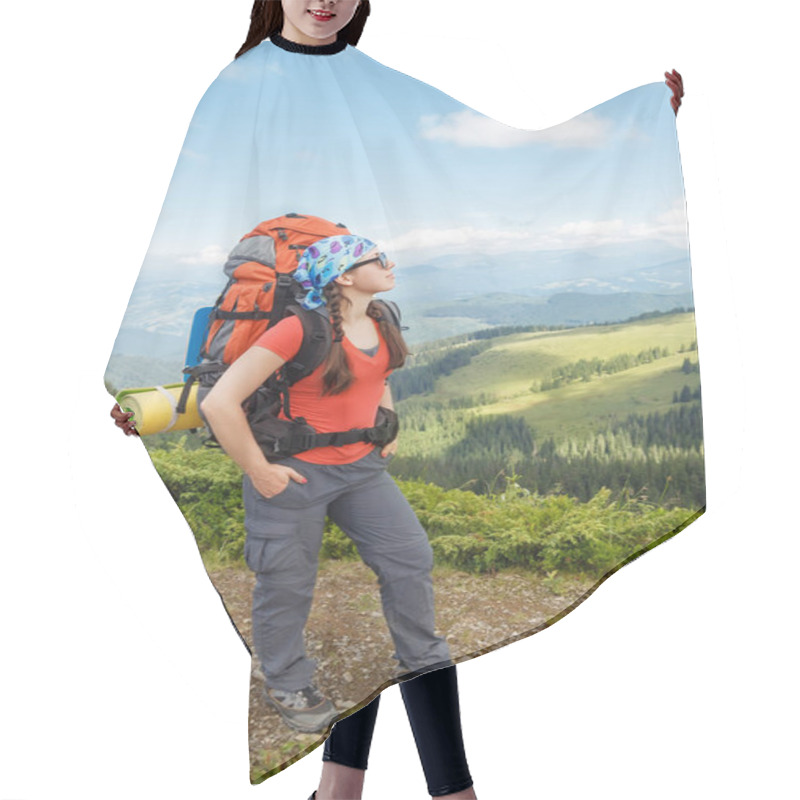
[[411, 168]]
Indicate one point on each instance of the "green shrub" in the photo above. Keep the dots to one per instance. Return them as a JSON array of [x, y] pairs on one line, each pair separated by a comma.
[[477, 533]]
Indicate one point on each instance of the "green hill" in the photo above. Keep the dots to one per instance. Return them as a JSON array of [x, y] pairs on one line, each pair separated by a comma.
[[513, 364]]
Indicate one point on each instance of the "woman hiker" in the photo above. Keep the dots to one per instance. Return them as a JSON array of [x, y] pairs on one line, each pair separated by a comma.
[[286, 505]]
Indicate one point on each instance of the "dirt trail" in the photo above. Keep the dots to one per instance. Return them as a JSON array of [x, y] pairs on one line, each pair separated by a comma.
[[348, 637]]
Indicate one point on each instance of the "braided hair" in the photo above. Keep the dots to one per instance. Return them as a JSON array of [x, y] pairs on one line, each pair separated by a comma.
[[266, 18], [337, 376]]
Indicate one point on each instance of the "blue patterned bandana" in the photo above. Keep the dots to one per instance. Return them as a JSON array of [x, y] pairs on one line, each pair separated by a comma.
[[324, 261]]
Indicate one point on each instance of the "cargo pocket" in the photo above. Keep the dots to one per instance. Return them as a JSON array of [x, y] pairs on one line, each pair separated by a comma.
[[275, 551]]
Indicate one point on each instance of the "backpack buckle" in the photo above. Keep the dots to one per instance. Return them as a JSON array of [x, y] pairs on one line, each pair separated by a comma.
[[302, 441]]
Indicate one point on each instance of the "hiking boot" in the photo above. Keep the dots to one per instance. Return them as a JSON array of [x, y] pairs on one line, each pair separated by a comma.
[[306, 710]]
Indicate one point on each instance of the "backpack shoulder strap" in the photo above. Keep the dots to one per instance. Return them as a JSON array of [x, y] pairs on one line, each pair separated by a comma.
[[318, 336], [316, 344], [391, 311]]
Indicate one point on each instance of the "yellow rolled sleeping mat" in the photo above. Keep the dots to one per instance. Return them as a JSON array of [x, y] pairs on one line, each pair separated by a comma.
[[155, 409]]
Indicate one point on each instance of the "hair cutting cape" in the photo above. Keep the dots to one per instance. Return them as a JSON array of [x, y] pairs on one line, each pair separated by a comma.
[[550, 419]]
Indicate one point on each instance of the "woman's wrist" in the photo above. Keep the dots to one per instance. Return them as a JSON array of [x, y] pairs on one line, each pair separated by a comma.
[[259, 470]]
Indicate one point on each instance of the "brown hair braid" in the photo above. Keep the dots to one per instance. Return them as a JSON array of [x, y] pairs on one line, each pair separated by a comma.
[[337, 376], [266, 18]]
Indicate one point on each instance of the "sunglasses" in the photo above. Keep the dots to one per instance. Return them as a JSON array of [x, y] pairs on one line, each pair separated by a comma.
[[380, 257]]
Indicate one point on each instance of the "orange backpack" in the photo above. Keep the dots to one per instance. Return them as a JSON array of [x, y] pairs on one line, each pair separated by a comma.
[[260, 292], [260, 283]]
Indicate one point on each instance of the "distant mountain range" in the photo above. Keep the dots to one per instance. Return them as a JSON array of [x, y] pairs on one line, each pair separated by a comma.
[[455, 294], [651, 267], [566, 308]]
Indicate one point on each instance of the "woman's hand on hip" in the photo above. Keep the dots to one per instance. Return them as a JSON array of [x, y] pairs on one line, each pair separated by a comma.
[[389, 449], [274, 480]]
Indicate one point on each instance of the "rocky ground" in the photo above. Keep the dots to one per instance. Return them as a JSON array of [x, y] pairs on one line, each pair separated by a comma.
[[348, 637]]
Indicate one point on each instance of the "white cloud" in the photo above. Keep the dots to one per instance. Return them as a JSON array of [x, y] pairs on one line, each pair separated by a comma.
[[462, 239], [210, 255], [470, 129], [669, 227]]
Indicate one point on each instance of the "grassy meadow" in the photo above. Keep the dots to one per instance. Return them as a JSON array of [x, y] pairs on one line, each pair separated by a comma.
[[575, 411]]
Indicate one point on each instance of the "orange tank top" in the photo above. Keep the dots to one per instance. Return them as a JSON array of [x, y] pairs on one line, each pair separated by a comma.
[[355, 407]]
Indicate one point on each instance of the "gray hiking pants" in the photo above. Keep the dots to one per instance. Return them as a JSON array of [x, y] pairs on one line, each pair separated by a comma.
[[284, 534]]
